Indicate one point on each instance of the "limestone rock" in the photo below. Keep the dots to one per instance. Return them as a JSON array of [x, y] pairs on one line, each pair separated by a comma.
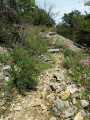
[[59, 76], [65, 95], [68, 112], [74, 101], [84, 103], [77, 95], [53, 50], [55, 86], [53, 118], [58, 90], [37, 103], [2, 102], [44, 57], [7, 67], [52, 33], [7, 79], [43, 94], [78, 117], [18, 108], [51, 97], [43, 107], [61, 104], [83, 113], [72, 89], [30, 118]]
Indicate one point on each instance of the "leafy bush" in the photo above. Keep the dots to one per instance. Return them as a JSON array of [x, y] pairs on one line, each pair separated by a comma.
[[75, 27], [83, 33], [23, 69], [78, 66], [64, 31], [5, 57], [41, 17], [35, 43]]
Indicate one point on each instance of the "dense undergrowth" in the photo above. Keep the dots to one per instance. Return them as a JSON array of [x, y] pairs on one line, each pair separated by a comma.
[[78, 66], [25, 64], [24, 61], [76, 27]]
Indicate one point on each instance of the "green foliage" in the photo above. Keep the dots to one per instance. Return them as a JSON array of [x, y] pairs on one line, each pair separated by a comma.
[[64, 30], [87, 3], [77, 66], [25, 65], [49, 55], [52, 112], [86, 92], [18, 11], [75, 27], [41, 17], [5, 57], [23, 69], [68, 52], [35, 43], [83, 33], [70, 99], [10, 95], [71, 18]]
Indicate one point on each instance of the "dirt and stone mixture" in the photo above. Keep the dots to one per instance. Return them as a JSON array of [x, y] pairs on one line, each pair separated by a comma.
[[55, 98]]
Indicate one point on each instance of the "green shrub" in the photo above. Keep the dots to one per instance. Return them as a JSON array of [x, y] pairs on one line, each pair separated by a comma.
[[35, 43], [78, 66], [23, 69], [5, 57]]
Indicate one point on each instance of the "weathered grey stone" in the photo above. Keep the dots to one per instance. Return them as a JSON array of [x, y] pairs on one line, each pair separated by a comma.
[[55, 86], [82, 89], [44, 57], [7, 67], [88, 115], [77, 95], [1, 76], [59, 76], [2, 102], [53, 50], [53, 118], [84, 103], [74, 101], [7, 79], [61, 104], [72, 88], [68, 112], [52, 33], [83, 113]]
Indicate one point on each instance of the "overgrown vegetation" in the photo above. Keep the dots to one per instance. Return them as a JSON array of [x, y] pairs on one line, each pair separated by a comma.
[[76, 27], [24, 61], [15, 12], [78, 66]]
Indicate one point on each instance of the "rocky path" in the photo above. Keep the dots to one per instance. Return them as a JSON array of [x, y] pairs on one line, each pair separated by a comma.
[[35, 105], [62, 40], [56, 94]]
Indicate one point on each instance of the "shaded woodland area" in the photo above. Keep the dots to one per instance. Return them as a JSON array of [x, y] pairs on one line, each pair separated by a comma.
[[21, 12], [76, 26]]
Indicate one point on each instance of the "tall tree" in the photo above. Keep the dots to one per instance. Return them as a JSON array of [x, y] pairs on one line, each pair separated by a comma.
[[71, 18], [87, 3]]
